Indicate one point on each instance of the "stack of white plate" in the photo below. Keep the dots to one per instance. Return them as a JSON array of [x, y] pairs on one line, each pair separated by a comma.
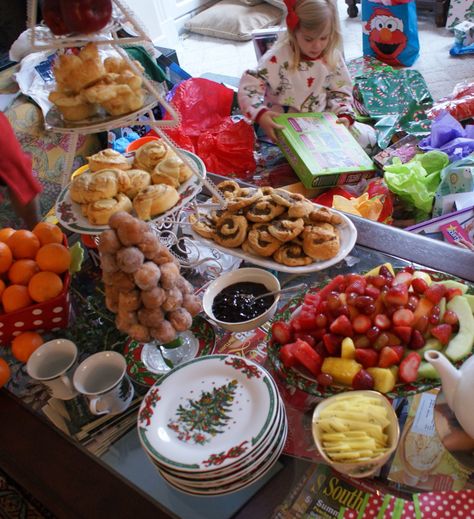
[[213, 425]]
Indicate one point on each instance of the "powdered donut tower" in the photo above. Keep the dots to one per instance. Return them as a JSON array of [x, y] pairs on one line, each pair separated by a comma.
[[143, 284]]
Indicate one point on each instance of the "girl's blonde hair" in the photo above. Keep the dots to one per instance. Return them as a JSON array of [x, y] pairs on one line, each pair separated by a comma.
[[314, 15]]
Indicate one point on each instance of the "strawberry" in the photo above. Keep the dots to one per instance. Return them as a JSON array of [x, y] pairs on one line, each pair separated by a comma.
[[453, 292], [397, 295], [332, 343], [334, 284], [402, 278], [417, 340], [419, 285], [306, 356], [442, 332], [368, 357], [357, 286], [409, 367], [361, 323], [403, 332], [403, 317], [435, 292], [400, 351], [281, 332], [342, 326], [363, 380], [303, 321], [312, 299], [388, 357], [382, 321]]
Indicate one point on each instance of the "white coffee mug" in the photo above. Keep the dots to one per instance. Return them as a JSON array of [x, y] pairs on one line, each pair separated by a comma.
[[102, 378], [53, 364]]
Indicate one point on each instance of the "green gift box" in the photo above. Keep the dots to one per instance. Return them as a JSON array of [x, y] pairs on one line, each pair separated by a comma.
[[322, 152]]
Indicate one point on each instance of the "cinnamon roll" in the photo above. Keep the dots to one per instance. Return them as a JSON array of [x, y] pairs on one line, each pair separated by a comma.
[[286, 229], [323, 214], [300, 209], [321, 243], [292, 254], [202, 225], [264, 210], [149, 155], [261, 241], [285, 198], [231, 230], [228, 188], [244, 197]]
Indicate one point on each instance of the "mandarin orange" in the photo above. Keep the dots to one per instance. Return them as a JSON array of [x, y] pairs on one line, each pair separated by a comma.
[[24, 244], [48, 233], [2, 287], [44, 286], [5, 233], [5, 372], [15, 297], [22, 271], [25, 344], [6, 257], [53, 257]]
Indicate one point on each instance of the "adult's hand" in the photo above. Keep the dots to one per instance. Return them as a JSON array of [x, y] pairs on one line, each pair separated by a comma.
[[269, 125]]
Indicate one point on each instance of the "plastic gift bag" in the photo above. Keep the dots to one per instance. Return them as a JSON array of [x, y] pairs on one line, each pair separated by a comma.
[[449, 136], [207, 129], [416, 181], [390, 32], [460, 103]]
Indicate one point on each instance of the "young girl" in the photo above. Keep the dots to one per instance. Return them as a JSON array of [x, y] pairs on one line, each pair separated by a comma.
[[304, 72]]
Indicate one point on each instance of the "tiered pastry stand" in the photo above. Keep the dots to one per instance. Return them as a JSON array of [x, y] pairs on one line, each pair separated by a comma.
[[42, 38]]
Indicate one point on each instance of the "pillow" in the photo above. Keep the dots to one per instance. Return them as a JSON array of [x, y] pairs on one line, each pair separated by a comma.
[[277, 3], [251, 2], [231, 20]]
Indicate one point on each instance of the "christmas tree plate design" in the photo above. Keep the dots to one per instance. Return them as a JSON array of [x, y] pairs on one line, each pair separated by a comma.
[[137, 370], [207, 413], [70, 214]]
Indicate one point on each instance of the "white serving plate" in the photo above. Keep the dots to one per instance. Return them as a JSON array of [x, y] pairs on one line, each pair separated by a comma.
[[249, 412], [70, 215], [348, 238]]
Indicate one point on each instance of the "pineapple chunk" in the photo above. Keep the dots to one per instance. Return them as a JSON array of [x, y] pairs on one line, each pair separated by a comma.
[[341, 370], [348, 349], [384, 379], [375, 270]]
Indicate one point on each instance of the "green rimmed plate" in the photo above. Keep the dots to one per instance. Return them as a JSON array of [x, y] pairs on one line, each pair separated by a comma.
[[137, 370], [303, 380]]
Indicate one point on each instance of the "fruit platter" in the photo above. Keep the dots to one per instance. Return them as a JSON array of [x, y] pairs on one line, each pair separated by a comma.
[[370, 331]]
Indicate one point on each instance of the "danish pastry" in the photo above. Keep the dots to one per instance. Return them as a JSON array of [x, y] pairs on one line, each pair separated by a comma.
[[154, 200], [118, 65], [300, 209], [231, 230], [320, 244], [73, 107], [150, 154], [323, 214], [74, 73], [264, 210], [261, 241], [99, 212], [285, 198], [139, 179], [285, 228], [116, 99], [244, 197], [292, 254], [167, 172], [202, 226], [107, 159]]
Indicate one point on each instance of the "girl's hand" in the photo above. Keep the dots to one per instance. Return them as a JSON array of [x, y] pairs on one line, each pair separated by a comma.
[[269, 125], [344, 121]]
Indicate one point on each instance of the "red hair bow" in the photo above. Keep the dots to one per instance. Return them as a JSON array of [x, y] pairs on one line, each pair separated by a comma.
[[292, 19]]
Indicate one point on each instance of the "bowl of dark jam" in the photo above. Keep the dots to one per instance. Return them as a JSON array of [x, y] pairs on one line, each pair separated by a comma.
[[230, 301]]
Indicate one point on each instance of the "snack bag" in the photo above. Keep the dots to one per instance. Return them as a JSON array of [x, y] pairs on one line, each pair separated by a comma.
[[390, 32]]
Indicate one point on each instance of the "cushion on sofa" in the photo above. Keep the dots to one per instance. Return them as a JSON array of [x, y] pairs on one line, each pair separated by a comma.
[[232, 20]]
